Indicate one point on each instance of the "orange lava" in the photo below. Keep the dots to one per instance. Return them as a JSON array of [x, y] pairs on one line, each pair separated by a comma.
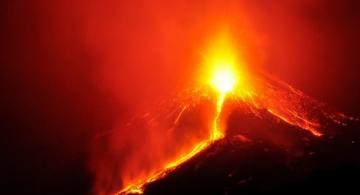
[[138, 187]]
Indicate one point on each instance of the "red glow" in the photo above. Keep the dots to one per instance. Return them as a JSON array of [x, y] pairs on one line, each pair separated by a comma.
[[112, 95], [191, 87]]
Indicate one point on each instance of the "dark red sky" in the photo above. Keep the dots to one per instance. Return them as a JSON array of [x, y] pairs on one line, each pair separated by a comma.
[[70, 69]]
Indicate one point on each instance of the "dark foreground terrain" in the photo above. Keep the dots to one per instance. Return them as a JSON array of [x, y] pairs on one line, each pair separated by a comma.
[[271, 157]]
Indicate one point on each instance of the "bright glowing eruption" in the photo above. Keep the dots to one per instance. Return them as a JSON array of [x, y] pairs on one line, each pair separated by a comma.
[[224, 80], [223, 67], [221, 64]]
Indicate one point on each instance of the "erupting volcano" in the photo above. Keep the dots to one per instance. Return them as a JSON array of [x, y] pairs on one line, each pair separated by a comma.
[[229, 84], [156, 97]]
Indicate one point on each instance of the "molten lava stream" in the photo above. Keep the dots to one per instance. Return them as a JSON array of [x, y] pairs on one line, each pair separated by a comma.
[[222, 75], [215, 134], [138, 188]]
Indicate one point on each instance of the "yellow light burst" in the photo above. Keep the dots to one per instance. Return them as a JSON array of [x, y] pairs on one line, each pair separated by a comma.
[[222, 66], [222, 74], [224, 79]]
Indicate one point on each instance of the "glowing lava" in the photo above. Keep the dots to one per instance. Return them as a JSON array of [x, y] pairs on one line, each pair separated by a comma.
[[224, 81], [226, 73], [138, 187]]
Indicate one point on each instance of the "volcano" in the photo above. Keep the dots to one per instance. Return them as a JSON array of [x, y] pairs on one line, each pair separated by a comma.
[[267, 142], [237, 130]]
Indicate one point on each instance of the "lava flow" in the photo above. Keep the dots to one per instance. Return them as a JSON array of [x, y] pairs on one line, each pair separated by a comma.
[[226, 77], [223, 78]]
